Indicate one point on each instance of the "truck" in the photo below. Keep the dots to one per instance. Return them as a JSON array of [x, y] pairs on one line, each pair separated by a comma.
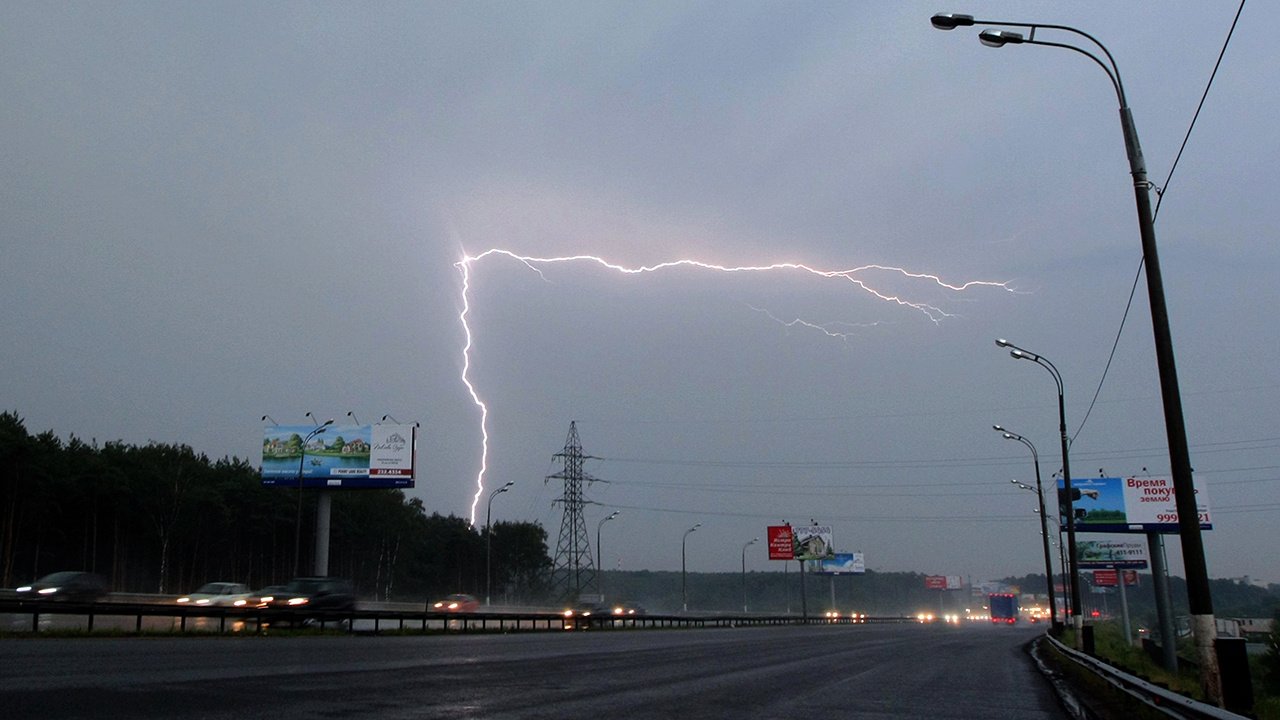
[[1004, 608]]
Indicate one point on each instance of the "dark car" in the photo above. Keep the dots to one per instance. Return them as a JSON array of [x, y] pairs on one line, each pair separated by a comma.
[[627, 608], [69, 586], [306, 598], [458, 603]]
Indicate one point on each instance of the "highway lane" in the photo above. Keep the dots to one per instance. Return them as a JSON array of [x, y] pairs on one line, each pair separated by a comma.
[[860, 671]]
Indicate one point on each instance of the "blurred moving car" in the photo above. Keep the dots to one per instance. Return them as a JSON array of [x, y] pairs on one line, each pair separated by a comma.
[[627, 608], [457, 603], [69, 586], [218, 594], [264, 597], [313, 593]]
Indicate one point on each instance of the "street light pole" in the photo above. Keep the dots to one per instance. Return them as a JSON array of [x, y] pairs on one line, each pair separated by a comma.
[[1199, 599], [1017, 353], [600, 551], [1044, 534], [684, 587], [488, 541], [297, 524], [744, 572]]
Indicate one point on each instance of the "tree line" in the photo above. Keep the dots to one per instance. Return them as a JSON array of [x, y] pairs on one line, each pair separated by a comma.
[[162, 518]]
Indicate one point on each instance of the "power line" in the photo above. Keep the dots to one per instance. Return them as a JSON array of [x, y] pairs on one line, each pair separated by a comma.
[[1156, 213]]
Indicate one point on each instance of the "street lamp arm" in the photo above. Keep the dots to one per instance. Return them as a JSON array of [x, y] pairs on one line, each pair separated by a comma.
[[950, 21], [1112, 74]]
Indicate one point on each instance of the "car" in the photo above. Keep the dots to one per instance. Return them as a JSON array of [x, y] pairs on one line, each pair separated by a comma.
[[457, 603], [306, 595], [218, 594], [580, 615], [264, 597], [68, 586], [627, 608]]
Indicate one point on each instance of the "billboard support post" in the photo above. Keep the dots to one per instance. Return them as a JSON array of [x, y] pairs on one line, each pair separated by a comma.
[[1164, 612], [324, 504], [1124, 610], [804, 598], [297, 527]]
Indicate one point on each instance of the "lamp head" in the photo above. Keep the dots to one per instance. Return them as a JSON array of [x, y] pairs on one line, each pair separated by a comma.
[[1001, 342], [951, 21], [998, 428], [1000, 38], [327, 423], [1010, 436]]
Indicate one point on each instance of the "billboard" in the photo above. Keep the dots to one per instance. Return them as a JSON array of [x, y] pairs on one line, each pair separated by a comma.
[[840, 564], [1111, 554], [812, 542], [1121, 505], [935, 582], [339, 456], [1111, 578], [780, 543]]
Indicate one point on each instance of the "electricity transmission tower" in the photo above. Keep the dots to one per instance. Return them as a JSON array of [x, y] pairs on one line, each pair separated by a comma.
[[573, 570]]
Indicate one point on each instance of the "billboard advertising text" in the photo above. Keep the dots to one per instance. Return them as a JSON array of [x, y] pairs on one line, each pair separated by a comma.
[[780, 547], [1091, 554], [812, 542], [339, 456], [1136, 504]]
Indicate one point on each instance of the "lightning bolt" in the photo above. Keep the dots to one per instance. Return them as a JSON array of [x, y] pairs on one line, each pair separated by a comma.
[[824, 328], [933, 313]]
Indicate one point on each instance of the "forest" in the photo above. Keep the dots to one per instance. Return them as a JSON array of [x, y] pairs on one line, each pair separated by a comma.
[[161, 518]]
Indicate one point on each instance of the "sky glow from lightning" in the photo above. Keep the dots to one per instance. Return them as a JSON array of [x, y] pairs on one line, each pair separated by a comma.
[[933, 313]]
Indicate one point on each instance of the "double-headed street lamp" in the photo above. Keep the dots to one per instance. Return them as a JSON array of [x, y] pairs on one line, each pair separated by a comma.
[[488, 540], [297, 525], [1048, 563], [1064, 501], [753, 541], [600, 550], [684, 587], [1199, 599]]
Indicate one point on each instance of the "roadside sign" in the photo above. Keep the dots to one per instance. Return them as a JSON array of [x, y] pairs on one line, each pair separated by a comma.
[[780, 542]]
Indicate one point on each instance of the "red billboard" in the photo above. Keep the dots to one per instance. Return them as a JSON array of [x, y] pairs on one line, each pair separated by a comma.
[[935, 582], [1111, 578], [780, 543]]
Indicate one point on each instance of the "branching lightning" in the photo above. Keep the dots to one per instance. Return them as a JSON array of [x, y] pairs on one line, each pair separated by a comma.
[[933, 313], [824, 328]]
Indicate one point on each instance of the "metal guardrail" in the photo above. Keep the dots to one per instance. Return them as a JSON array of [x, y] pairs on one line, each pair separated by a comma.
[[1160, 699], [402, 620]]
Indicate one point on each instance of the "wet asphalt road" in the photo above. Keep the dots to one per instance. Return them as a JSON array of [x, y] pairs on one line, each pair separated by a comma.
[[824, 672]]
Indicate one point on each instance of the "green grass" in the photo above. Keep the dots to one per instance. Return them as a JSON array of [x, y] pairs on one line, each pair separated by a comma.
[[1110, 647]]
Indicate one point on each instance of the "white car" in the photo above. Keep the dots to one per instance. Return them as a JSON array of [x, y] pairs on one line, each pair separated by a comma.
[[218, 594]]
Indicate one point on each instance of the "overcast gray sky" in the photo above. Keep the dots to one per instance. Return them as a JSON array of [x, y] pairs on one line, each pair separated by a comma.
[[214, 211]]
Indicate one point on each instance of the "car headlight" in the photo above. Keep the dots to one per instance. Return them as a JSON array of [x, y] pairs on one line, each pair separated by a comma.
[[202, 601], [298, 601], [24, 588], [182, 600], [453, 606], [240, 603], [49, 591]]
